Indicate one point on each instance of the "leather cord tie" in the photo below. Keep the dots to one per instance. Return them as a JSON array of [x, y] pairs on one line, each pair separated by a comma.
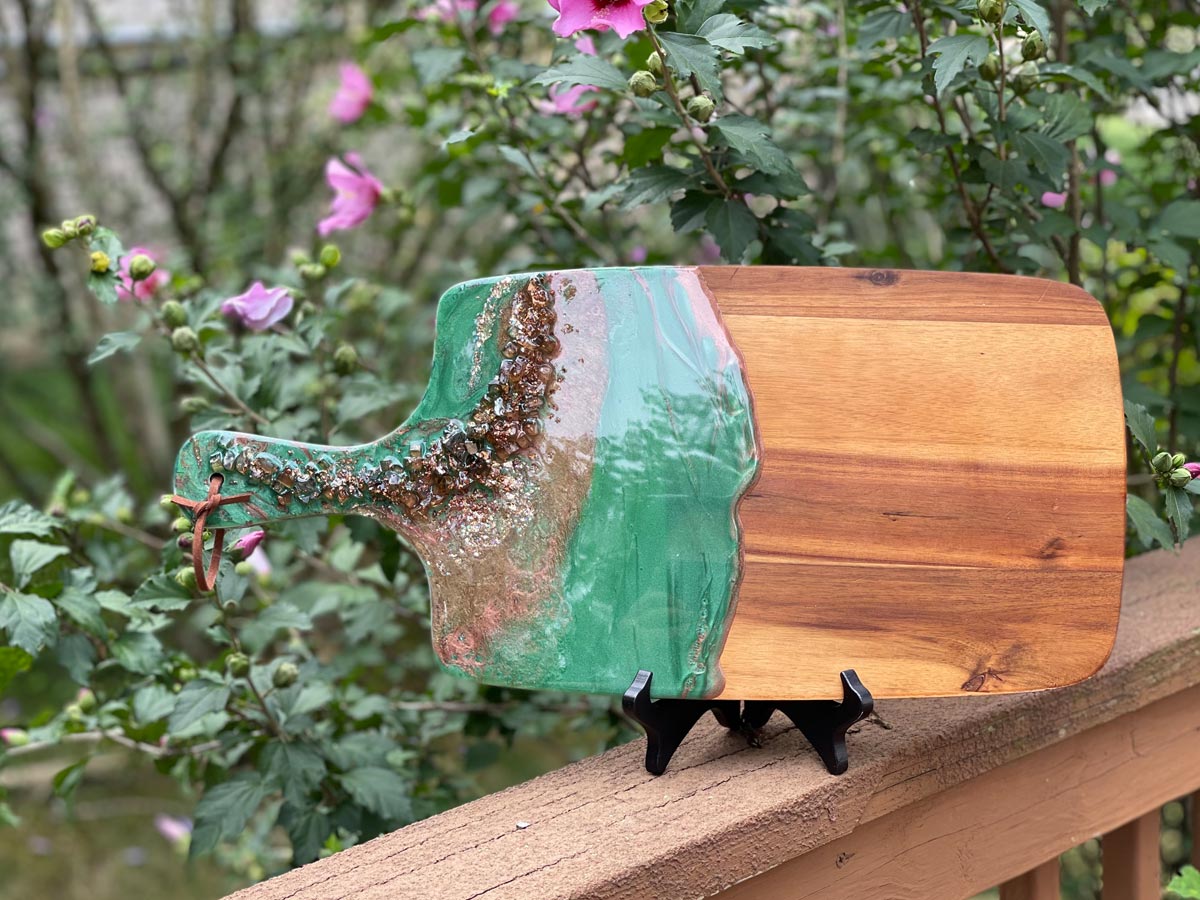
[[206, 579]]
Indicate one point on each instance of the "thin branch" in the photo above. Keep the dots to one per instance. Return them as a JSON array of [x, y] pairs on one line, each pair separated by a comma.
[[229, 394], [114, 736]]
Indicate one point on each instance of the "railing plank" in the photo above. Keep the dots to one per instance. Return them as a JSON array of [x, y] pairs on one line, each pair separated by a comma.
[[965, 791], [1131, 860], [1036, 884]]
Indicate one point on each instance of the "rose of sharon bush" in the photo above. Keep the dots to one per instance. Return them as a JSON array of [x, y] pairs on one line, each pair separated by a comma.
[[357, 192], [622, 16], [258, 309]]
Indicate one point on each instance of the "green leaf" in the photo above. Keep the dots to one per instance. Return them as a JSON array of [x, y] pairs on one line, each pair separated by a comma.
[[690, 54], [1181, 219], [307, 829], [1091, 7], [883, 24], [582, 69], [152, 703], [730, 33], [28, 619], [162, 593], [83, 609], [225, 809], [1048, 156], [1179, 511], [1141, 426], [103, 286], [646, 146], [21, 518], [76, 654], [1193, 486], [691, 14], [650, 184], [457, 137], [113, 342], [733, 226], [29, 557], [1146, 522], [1034, 14], [1170, 254], [752, 139], [295, 766], [1076, 73], [953, 53], [138, 651], [381, 398], [1187, 883], [434, 65], [380, 790], [1005, 174], [13, 661], [197, 699], [107, 241], [67, 780], [1067, 117]]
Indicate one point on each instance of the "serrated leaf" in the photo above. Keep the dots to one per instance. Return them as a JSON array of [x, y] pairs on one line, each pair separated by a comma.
[[307, 829], [1179, 511], [1147, 523], [650, 184], [953, 53], [1141, 426], [1170, 254], [225, 809], [1034, 14], [28, 557], [83, 609], [138, 651], [295, 766], [882, 25], [161, 593], [645, 146], [1180, 219], [380, 395], [21, 518], [752, 139], [730, 33], [583, 69], [113, 342], [690, 54], [1048, 156], [380, 790], [197, 699], [1067, 117], [691, 14], [103, 286], [152, 703], [28, 619], [1005, 174], [1076, 73], [13, 661], [434, 65], [733, 226], [76, 654], [1091, 7]]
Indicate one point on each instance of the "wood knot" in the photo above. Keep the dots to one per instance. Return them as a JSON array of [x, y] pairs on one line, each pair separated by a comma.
[[880, 277]]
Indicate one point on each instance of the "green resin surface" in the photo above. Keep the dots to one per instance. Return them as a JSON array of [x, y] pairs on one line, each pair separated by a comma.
[[570, 480]]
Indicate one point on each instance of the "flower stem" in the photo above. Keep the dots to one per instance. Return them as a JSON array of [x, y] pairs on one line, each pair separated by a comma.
[[220, 386]]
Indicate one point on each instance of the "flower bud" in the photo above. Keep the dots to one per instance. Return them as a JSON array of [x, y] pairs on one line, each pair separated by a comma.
[[68, 227], [238, 664], [54, 238], [193, 405], [244, 569], [312, 271], [654, 63], [701, 107], [173, 314], [181, 525], [184, 340], [330, 256], [345, 359], [1162, 462], [166, 503], [125, 515], [141, 267], [85, 224], [643, 83], [298, 257], [989, 69], [14, 737], [100, 262], [991, 10], [186, 673], [1177, 460], [656, 11], [184, 541], [1180, 477], [74, 712], [1025, 80], [286, 675], [1033, 47], [86, 700]]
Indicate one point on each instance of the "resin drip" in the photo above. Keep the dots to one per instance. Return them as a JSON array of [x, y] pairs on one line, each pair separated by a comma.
[[577, 512]]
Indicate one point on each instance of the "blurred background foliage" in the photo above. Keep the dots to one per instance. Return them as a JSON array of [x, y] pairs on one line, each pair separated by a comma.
[[1054, 138]]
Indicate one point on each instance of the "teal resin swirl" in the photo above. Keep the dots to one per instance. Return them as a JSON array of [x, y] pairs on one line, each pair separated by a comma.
[[610, 542]]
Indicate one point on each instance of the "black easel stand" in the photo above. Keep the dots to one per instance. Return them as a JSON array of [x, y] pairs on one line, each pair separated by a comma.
[[823, 722]]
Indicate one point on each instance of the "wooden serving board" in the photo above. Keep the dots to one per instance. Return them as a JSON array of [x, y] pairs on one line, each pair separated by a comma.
[[744, 479]]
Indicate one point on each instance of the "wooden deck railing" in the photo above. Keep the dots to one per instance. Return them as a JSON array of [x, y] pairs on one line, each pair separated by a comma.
[[944, 798]]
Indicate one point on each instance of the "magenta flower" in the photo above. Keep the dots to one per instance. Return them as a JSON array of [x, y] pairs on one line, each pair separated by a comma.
[[1108, 174], [638, 255], [501, 14], [128, 289], [1054, 200], [174, 830], [568, 102], [12, 736], [356, 193], [259, 562], [622, 16], [585, 45], [448, 11], [249, 542], [259, 308], [353, 94], [1193, 469]]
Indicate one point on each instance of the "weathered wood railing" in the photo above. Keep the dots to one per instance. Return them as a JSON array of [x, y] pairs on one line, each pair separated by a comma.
[[944, 798]]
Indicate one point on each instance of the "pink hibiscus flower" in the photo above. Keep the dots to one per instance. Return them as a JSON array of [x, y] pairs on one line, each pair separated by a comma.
[[568, 102], [1054, 200], [1193, 469], [128, 289], [622, 16], [249, 542], [585, 45], [353, 94], [259, 308], [356, 193], [501, 14], [447, 10]]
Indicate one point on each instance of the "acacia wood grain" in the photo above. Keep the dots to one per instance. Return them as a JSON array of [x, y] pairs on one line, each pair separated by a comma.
[[941, 498]]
